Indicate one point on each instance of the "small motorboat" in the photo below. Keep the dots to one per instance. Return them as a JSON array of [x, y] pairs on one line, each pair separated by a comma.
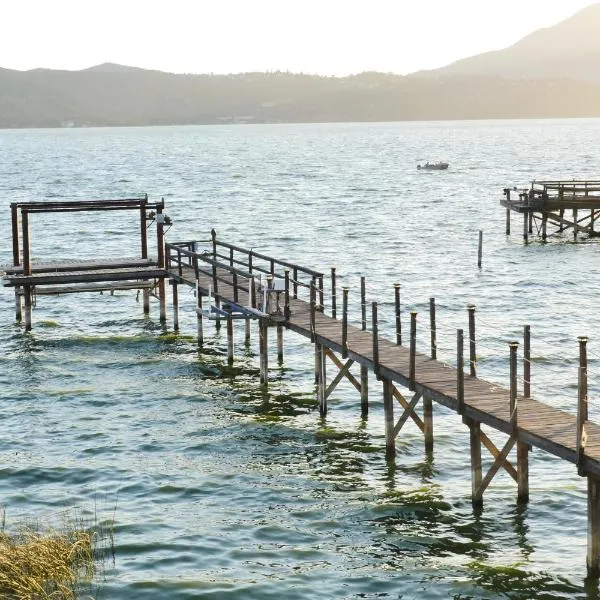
[[435, 166]]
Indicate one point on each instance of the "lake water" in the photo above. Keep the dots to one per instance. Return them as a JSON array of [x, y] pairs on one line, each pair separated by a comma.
[[219, 489]]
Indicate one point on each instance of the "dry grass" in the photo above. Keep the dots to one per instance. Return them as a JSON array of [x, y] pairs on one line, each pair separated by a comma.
[[42, 564]]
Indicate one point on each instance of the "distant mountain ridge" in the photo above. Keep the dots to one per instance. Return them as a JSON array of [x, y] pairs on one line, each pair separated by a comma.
[[570, 49], [553, 72]]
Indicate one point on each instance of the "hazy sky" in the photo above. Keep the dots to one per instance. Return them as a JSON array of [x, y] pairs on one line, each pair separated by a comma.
[[329, 37]]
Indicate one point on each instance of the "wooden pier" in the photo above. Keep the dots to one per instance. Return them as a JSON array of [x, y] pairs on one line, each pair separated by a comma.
[[233, 283], [550, 203]]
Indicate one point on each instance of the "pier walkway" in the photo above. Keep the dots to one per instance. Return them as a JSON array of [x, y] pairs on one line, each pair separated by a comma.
[[233, 283]]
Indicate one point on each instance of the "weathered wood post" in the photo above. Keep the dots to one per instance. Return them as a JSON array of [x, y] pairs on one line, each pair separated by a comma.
[[313, 292], [427, 402], [279, 344], [344, 322], [508, 221], [199, 315], [264, 350], [582, 404], [27, 291], [513, 411], [175, 305], [398, 315], [526, 227], [333, 295], [544, 226], [480, 249], [217, 300], [229, 310], [286, 305], [527, 361], [575, 225], [388, 407], [593, 543], [322, 379], [413, 350], [375, 326], [14, 213], [364, 371], [476, 475], [460, 372], [432, 329], [160, 240], [472, 346]]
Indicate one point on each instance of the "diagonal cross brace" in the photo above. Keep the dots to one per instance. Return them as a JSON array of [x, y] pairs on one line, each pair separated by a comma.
[[500, 459], [344, 371], [409, 410], [485, 440]]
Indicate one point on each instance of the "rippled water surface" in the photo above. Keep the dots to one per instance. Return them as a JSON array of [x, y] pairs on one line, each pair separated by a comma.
[[219, 489]]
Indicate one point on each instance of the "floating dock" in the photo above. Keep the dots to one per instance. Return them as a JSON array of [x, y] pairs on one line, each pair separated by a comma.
[[561, 205], [233, 283]]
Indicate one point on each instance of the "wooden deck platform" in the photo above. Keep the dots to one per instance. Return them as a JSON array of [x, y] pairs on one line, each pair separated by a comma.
[[547, 202]]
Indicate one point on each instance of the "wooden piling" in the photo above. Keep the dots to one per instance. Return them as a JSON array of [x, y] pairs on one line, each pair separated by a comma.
[[229, 337], [428, 423], [264, 351], [544, 225], [374, 326], [279, 344], [460, 372], [525, 227], [513, 410], [363, 304], [175, 305], [432, 329], [480, 249], [413, 350], [199, 316], [364, 391], [508, 221], [344, 322], [593, 541], [582, 403], [472, 346], [388, 407], [160, 240], [333, 295], [476, 475], [575, 225], [397, 313], [527, 361], [322, 378]]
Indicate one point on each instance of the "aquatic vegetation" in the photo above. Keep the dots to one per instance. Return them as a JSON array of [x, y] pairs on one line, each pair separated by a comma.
[[42, 563]]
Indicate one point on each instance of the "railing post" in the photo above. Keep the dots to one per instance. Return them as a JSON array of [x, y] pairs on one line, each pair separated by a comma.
[[313, 292], [286, 310], [321, 300], [235, 287], [231, 257], [527, 361], [397, 313], [252, 291], [413, 349], [344, 322], [460, 372], [472, 348], [295, 282], [250, 261], [375, 326], [363, 304], [513, 385], [333, 295], [432, 328], [582, 403]]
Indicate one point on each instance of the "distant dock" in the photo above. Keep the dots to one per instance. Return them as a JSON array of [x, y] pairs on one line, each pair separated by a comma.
[[556, 205], [236, 284]]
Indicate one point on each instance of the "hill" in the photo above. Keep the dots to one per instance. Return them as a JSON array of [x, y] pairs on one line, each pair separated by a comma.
[[570, 49], [553, 72]]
